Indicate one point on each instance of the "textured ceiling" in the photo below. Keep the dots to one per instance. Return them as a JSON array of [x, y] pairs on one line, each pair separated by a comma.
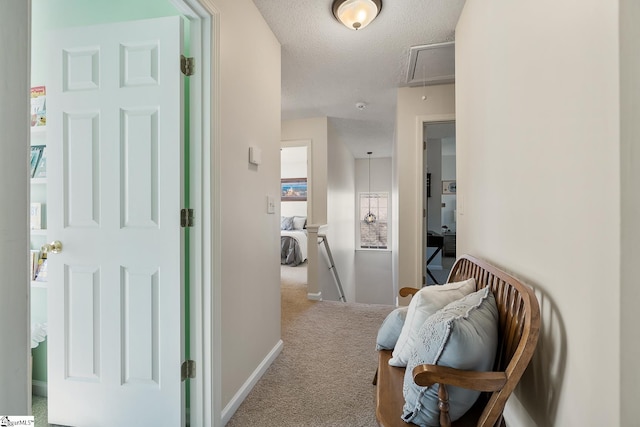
[[327, 69]]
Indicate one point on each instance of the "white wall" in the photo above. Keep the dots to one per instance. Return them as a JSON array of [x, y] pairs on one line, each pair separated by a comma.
[[293, 164], [448, 174], [433, 159], [434, 204], [250, 237], [314, 129], [538, 142], [340, 219], [374, 281], [293, 208], [334, 186], [15, 391], [407, 175], [630, 177]]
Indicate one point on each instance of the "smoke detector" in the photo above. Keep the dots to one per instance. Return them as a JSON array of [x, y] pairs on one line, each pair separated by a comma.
[[361, 106]]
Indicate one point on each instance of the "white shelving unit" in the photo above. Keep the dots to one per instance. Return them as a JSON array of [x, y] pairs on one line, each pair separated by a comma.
[[39, 290], [39, 195]]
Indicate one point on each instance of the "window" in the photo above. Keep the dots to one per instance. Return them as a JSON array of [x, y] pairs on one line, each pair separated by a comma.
[[374, 235]]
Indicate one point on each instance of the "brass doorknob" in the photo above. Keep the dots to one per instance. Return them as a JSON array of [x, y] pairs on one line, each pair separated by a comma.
[[54, 247]]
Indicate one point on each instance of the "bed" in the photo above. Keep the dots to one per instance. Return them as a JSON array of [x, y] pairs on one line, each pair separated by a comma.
[[293, 240]]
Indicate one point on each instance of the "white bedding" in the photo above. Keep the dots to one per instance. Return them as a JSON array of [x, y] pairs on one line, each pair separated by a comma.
[[301, 237]]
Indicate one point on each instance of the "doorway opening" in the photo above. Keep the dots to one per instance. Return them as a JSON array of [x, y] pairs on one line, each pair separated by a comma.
[[439, 195], [204, 143], [295, 208]]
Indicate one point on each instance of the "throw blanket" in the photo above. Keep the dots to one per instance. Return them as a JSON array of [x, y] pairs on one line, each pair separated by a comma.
[[293, 247]]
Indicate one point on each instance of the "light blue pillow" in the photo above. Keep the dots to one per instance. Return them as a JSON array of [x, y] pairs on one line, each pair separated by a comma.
[[462, 335], [390, 329], [286, 223]]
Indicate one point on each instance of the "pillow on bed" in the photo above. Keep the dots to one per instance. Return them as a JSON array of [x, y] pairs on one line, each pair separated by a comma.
[[390, 329], [286, 223], [423, 304], [299, 222], [463, 335]]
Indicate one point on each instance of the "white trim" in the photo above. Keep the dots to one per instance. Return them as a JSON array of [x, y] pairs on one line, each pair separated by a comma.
[[213, 345], [316, 296], [39, 388], [420, 256], [248, 385], [205, 275]]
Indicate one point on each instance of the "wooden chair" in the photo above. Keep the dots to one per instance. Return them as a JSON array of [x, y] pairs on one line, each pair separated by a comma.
[[519, 324]]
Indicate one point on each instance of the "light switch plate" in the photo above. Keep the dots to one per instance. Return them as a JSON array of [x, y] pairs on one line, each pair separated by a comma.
[[271, 205], [255, 155]]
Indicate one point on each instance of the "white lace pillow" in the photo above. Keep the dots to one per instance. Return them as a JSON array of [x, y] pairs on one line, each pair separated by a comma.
[[423, 304], [463, 335], [299, 222]]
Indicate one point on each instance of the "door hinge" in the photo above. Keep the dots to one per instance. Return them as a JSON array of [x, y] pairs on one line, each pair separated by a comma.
[[186, 218], [187, 65], [188, 369], [424, 213], [424, 145], [424, 280]]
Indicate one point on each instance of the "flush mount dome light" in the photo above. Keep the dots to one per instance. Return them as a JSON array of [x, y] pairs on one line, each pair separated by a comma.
[[356, 14]]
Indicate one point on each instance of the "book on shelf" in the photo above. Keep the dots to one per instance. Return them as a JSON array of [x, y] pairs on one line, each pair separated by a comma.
[[34, 256], [41, 270], [41, 167], [35, 216], [38, 106], [36, 153]]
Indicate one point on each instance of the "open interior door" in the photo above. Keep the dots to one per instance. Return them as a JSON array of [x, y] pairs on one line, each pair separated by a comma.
[[114, 141]]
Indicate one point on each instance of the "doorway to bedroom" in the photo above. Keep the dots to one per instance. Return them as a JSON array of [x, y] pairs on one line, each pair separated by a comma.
[[295, 202]]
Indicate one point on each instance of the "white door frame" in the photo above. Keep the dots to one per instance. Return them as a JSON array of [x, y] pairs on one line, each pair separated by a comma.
[[205, 192], [205, 243], [421, 251]]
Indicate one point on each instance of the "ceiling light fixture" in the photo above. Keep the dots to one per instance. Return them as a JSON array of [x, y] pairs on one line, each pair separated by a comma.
[[356, 14]]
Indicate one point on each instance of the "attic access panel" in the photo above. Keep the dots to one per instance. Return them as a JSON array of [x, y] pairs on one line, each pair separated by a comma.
[[431, 64]]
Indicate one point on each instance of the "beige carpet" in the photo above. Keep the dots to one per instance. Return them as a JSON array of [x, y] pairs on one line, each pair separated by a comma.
[[323, 376]]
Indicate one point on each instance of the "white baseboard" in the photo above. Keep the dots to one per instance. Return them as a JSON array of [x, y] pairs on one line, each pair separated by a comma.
[[39, 388], [315, 296], [242, 394]]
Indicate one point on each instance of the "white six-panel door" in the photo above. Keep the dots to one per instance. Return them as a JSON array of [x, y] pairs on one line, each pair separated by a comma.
[[114, 144]]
